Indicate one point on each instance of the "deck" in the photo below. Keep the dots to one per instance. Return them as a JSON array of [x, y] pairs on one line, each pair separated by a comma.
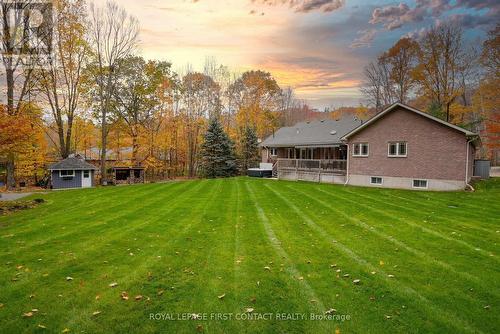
[[327, 171]]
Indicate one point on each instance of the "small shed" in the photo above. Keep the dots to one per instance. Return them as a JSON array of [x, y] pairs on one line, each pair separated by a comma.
[[128, 175], [72, 172]]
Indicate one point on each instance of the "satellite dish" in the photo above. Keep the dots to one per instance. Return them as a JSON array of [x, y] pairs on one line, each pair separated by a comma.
[[333, 133]]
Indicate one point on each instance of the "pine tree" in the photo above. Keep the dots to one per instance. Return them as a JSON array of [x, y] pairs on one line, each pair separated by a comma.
[[249, 149], [217, 152]]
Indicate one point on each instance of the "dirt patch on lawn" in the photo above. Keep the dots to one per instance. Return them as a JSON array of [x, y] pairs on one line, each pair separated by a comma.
[[14, 206]]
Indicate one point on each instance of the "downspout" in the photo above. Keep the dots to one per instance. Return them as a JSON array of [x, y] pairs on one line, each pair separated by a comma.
[[347, 171], [467, 185]]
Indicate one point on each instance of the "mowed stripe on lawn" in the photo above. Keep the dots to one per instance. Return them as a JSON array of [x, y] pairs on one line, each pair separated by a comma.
[[393, 285], [198, 240]]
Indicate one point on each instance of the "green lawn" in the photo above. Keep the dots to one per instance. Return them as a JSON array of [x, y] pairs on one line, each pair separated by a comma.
[[427, 262]]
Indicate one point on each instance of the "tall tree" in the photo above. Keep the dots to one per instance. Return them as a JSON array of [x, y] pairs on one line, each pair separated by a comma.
[[61, 79], [19, 55], [443, 61], [113, 36], [137, 94], [248, 149], [378, 88], [199, 100], [217, 152], [487, 96], [401, 59], [258, 98]]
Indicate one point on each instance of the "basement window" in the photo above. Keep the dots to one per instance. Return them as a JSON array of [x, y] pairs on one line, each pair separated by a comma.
[[420, 184], [376, 180]]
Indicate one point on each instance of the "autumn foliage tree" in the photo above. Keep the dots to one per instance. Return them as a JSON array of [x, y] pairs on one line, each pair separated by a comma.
[[60, 80]]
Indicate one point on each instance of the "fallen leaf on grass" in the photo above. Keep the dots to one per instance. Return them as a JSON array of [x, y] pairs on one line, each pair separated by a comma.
[[124, 295], [138, 297], [28, 314], [267, 268], [388, 317], [112, 285], [222, 296], [199, 328], [97, 297], [69, 278], [390, 276], [331, 311], [42, 326], [249, 310], [96, 313], [66, 330], [381, 262], [160, 292], [356, 281]]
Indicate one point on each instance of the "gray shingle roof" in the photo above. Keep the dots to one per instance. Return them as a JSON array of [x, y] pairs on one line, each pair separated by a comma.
[[72, 163], [321, 133]]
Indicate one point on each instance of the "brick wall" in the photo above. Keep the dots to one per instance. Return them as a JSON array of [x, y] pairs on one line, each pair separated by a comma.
[[434, 150]]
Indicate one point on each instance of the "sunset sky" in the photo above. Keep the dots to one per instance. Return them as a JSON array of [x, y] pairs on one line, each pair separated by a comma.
[[318, 47]]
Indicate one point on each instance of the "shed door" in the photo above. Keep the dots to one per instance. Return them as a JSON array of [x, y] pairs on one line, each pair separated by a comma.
[[86, 179]]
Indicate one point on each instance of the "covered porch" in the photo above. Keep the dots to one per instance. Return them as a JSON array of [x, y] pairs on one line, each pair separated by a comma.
[[332, 152], [310, 163]]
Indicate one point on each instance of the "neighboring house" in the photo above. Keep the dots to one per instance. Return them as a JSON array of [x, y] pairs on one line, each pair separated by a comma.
[[400, 147], [72, 172]]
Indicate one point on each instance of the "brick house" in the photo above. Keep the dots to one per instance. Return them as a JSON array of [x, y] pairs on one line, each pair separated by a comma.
[[400, 147]]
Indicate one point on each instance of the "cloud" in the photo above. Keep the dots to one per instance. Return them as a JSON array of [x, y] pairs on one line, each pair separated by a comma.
[[305, 6], [365, 39], [395, 16]]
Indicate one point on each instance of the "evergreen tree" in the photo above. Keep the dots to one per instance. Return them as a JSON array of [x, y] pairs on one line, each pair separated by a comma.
[[217, 152], [249, 149]]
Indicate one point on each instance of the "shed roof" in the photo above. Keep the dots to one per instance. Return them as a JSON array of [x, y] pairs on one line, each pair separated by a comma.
[[314, 133], [72, 163]]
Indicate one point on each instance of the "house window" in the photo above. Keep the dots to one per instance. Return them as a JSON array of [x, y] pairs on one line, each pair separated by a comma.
[[66, 173], [86, 174], [421, 184], [397, 149], [376, 180], [274, 152], [360, 150]]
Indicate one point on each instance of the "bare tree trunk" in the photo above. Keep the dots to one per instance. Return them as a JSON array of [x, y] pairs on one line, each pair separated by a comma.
[[135, 149], [11, 182], [104, 133]]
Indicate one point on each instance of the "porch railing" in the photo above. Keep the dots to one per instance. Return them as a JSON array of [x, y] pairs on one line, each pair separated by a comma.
[[330, 165]]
